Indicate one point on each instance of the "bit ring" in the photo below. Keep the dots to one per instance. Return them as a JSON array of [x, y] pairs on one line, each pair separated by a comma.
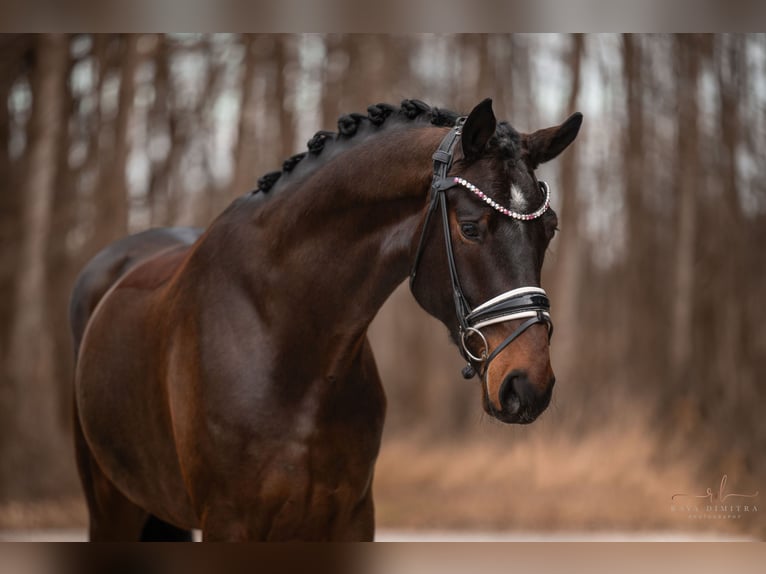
[[469, 331]]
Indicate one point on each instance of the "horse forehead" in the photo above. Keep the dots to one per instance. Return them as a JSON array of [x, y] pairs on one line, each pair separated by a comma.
[[518, 200], [510, 190]]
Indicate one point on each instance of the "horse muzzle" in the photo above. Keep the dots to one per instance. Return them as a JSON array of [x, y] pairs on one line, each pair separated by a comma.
[[525, 391], [520, 400], [528, 303]]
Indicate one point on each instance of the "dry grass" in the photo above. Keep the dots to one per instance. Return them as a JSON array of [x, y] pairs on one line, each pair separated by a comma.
[[538, 478], [607, 479], [69, 513]]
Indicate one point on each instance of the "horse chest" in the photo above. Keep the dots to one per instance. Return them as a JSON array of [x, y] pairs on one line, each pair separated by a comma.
[[277, 469], [293, 490]]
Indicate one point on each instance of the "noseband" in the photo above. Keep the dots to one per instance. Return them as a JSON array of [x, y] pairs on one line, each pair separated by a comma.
[[528, 303]]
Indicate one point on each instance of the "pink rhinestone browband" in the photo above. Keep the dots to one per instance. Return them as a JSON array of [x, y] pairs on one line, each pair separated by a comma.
[[504, 210]]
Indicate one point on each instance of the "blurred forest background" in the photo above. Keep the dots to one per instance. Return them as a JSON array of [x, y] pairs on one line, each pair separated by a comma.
[[656, 277]]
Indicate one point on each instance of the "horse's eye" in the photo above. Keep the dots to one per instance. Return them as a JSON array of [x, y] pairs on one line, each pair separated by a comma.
[[551, 224], [469, 230]]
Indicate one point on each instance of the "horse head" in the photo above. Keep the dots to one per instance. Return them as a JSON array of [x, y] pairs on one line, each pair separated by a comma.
[[479, 259]]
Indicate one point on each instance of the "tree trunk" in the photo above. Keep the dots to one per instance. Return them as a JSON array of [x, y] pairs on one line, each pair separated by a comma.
[[163, 197], [246, 148], [486, 81], [635, 314], [681, 335], [111, 195], [62, 268], [356, 83], [37, 458], [519, 89], [211, 201], [283, 62], [395, 77], [474, 49], [569, 247], [331, 78], [92, 167], [730, 368], [13, 48]]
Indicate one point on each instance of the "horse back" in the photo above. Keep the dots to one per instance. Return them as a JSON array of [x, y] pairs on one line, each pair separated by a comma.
[[114, 262]]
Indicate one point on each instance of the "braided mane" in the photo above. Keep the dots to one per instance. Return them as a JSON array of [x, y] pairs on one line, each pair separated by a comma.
[[351, 124]]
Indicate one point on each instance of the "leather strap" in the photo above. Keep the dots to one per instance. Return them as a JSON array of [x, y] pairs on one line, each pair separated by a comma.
[[442, 159], [517, 304], [539, 318]]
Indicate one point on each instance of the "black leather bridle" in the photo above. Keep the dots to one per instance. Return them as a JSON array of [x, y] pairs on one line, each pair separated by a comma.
[[528, 303]]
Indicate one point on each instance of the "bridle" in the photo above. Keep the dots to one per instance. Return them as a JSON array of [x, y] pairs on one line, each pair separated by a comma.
[[528, 303]]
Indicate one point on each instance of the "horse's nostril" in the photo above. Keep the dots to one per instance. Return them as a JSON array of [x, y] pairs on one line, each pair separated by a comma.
[[513, 392]]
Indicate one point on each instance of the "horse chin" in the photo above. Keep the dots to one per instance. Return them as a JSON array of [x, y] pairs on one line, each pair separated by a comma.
[[515, 419], [518, 418]]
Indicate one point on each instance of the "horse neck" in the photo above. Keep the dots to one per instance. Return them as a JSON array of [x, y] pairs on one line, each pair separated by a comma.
[[340, 242]]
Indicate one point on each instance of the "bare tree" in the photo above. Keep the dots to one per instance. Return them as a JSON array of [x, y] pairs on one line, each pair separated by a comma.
[[15, 47], [687, 58], [283, 64], [111, 195], [163, 122], [570, 247], [334, 65], [732, 76], [246, 148], [474, 58], [32, 439], [634, 278], [61, 264]]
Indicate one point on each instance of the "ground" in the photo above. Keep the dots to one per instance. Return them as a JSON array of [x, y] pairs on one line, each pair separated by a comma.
[[508, 483]]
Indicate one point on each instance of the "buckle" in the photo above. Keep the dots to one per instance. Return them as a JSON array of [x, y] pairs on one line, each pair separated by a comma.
[[459, 125]]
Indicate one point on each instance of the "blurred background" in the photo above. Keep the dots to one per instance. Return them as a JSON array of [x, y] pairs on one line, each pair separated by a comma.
[[655, 277]]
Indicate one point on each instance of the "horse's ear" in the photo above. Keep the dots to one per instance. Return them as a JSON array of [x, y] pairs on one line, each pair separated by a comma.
[[543, 145], [478, 128]]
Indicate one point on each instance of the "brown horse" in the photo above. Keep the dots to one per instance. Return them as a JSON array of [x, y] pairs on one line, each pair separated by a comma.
[[224, 379]]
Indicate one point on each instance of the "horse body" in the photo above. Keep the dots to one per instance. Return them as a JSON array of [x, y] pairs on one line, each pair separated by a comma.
[[228, 384], [246, 408]]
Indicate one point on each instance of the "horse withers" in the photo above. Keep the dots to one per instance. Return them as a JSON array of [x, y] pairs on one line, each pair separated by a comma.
[[224, 378]]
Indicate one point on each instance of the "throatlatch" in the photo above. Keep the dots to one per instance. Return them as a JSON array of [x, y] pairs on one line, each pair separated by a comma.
[[529, 303]]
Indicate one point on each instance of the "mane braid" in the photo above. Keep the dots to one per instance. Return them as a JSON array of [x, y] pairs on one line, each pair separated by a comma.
[[350, 124]]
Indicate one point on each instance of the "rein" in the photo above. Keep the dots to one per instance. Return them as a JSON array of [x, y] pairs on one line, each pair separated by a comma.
[[529, 303]]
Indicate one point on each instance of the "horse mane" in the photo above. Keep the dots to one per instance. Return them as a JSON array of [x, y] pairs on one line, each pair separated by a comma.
[[378, 116], [355, 124]]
